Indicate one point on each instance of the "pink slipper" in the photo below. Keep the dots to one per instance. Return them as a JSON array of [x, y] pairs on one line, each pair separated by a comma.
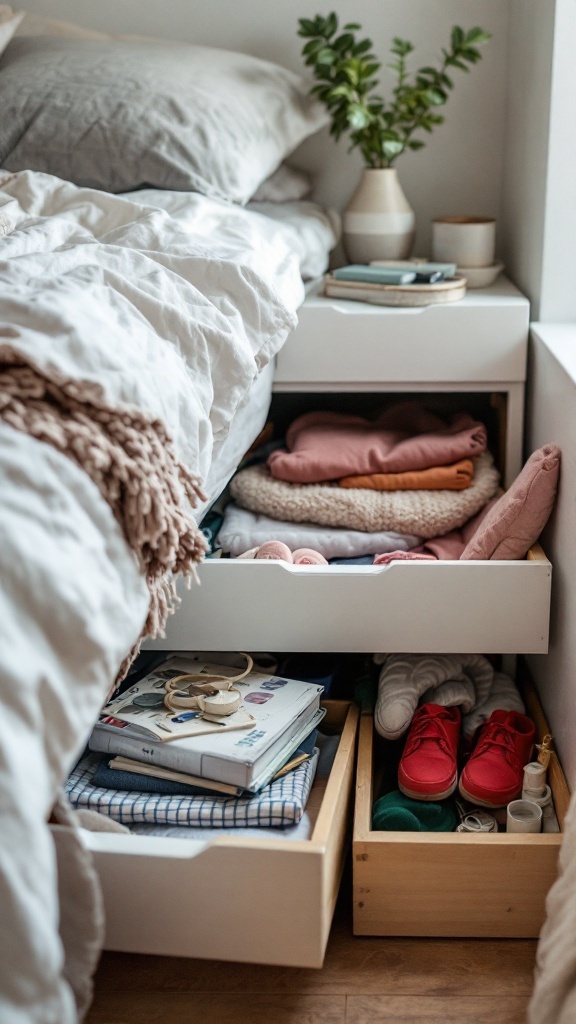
[[306, 556], [404, 556], [275, 550]]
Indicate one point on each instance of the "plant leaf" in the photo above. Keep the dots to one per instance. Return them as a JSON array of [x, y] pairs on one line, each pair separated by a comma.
[[477, 35], [435, 97], [341, 90], [331, 24], [358, 116], [307, 27], [312, 46], [362, 47], [326, 56], [391, 149], [344, 42]]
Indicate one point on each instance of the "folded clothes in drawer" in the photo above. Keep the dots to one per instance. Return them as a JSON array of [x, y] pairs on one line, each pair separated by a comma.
[[223, 899], [278, 805]]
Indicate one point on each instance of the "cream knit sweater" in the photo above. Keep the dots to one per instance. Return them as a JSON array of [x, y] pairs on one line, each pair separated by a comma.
[[424, 513]]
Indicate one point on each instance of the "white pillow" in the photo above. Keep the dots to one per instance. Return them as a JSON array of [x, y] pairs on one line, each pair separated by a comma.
[[160, 114], [285, 185]]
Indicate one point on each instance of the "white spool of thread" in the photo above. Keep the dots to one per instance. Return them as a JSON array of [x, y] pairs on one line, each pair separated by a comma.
[[534, 778], [542, 799]]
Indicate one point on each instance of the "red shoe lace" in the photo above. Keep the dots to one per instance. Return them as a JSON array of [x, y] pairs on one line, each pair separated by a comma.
[[498, 734], [428, 727]]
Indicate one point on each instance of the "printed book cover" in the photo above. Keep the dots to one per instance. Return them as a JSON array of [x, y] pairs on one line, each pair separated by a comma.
[[280, 709]]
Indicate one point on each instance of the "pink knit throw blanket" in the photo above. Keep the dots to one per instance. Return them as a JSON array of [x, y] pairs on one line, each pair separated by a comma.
[[327, 445], [129, 457]]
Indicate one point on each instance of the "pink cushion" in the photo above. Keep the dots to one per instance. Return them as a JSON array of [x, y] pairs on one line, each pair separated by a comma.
[[517, 519]]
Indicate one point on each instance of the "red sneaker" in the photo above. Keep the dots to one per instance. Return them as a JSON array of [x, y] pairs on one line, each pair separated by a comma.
[[428, 769], [493, 775]]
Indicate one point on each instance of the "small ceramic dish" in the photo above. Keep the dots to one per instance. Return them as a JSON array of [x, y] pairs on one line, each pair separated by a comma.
[[481, 277]]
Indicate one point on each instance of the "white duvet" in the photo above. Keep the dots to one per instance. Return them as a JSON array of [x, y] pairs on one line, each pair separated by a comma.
[[176, 315]]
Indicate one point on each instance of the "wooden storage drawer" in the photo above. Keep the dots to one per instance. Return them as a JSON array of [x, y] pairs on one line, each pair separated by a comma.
[[482, 338], [266, 901], [470, 606], [448, 884]]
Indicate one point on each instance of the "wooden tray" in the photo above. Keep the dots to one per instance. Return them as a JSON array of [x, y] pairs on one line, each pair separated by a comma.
[[489, 885], [451, 290]]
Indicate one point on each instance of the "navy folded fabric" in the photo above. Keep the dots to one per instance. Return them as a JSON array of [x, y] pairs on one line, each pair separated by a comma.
[[359, 560], [112, 778]]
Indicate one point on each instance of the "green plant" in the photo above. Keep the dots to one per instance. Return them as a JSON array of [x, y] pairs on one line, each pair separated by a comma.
[[346, 68]]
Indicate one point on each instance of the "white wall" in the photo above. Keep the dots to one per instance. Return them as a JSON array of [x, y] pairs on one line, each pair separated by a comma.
[[558, 298], [552, 417], [539, 193], [539, 214], [461, 168], [526, 151]]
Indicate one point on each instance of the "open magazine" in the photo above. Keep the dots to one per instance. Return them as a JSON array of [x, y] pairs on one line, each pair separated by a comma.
[[142, 706], [275, 712]]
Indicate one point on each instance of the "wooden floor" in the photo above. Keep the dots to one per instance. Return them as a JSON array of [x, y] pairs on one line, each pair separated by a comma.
[[363, 981]]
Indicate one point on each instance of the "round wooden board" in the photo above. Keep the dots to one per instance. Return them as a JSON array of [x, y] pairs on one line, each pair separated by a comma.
[[451, 290]]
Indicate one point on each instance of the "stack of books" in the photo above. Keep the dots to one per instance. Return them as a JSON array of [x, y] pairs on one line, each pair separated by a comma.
[[241, 753]]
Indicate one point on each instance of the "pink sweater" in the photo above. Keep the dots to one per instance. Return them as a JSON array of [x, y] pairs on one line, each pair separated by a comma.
[[327, 445]]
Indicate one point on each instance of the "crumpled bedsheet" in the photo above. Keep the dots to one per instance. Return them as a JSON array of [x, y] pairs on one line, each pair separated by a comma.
[[72, 602]]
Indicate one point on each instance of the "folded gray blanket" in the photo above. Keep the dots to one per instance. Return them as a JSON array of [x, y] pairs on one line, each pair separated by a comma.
[[242, 530]]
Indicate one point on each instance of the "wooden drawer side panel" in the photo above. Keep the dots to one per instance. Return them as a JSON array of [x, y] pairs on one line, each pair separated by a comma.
[[333, 826], [483, 889]]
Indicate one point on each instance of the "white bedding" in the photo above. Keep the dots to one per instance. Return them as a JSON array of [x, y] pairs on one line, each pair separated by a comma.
[[176, 317], [220, 285]]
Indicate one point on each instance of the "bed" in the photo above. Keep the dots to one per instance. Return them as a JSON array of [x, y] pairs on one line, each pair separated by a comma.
[[137, 336]]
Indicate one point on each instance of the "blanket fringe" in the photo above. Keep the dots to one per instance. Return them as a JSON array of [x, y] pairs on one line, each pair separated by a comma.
[[131, 459]]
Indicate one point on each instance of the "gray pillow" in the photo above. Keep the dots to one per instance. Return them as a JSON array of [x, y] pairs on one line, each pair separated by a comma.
[[121, 115]]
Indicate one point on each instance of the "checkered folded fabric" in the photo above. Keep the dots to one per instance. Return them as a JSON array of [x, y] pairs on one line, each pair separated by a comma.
[[279, 804]]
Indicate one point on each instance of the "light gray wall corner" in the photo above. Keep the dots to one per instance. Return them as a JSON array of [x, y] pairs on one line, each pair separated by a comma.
[[531, 44], [551, 417], [539, 188], [558, 294]]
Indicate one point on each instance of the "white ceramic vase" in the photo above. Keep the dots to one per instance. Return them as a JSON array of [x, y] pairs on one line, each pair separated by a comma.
[[379, 223]]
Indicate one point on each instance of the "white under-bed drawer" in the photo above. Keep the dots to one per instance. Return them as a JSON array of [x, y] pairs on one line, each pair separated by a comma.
[[410, 606], [266, 901]]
